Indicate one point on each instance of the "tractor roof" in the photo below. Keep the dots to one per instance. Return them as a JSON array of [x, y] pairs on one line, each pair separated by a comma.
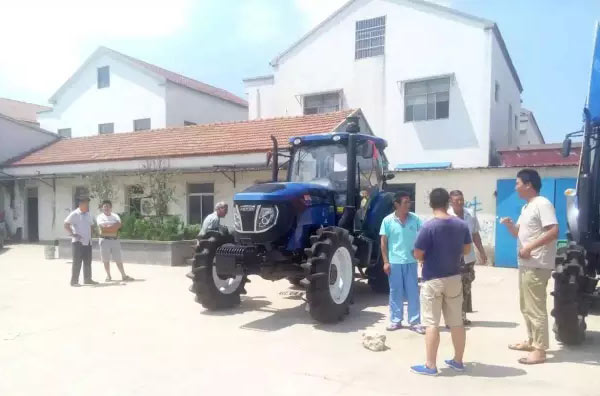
[[343, 136]]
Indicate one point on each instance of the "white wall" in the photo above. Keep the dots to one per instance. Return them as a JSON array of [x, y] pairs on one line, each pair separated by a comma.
[[184, 104], [60, 203], [503, 132], [132, 94], [17, 139], [419, 44]]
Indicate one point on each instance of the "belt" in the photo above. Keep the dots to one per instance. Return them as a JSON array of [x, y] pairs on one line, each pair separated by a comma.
[[108, 237]]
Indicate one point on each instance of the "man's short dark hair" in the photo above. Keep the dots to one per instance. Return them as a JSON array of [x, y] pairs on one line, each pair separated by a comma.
[[530, 176], [439, 198], [401, 194], [107, 202], [456, 193]]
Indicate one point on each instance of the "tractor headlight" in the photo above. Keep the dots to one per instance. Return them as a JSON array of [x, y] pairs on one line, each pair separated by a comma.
[[267, 217], [237, 219]]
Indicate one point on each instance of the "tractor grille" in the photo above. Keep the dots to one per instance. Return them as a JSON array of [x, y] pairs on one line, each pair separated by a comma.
[[247, 213]]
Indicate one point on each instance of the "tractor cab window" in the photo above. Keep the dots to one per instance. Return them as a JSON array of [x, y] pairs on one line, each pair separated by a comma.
[[370, 166], [325, 165]]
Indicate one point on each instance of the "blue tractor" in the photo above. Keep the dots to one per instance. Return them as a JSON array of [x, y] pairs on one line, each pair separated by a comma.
[[317, 229]]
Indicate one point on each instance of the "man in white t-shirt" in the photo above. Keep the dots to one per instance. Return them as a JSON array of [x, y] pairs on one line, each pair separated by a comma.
[[457, 208], [536, 232], [78, 225], [109, 224]]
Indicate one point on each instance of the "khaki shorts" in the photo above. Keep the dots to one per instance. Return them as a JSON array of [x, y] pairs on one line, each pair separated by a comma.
[[442, 295], [110, 248]]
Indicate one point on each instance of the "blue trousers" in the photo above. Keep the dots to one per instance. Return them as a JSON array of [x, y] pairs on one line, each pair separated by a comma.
[[404, 286]]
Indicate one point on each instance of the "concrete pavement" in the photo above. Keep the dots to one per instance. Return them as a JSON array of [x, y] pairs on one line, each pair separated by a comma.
[[149, 337]]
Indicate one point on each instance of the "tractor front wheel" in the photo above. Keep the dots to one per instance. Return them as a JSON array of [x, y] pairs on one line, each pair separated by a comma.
[[569, 308], [212, 291], [331, 273]]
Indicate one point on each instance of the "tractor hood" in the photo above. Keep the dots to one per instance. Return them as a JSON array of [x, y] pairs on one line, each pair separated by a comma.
[[277, 192]]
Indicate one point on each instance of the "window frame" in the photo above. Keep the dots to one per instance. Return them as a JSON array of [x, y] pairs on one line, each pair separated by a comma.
[[135, 122], [112, 124], [129, 195], [448, 77], [76, 193], [365, 30], [61, 132], [338, 107], [103, 83], [201, 195]]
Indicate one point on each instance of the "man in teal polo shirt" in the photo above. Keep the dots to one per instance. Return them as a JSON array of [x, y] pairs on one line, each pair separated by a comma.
[[398, 235]]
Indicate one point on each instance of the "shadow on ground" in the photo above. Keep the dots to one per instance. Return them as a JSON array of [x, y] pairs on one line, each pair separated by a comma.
[[4, 249], [358, 318], [477, 369], [494, 324], [586, 353]]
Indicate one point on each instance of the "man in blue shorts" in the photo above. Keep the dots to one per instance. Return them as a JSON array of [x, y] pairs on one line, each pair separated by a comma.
[[440, 245]]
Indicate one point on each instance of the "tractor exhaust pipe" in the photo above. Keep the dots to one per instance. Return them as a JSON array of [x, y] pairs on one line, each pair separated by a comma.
[[347, 220], [275, 159]]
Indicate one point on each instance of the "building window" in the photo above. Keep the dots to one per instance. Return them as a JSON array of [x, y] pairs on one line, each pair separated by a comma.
[[134, 195], [516, 123], [427, 100], [201, 201], [510, 130], [141, 124], [322, 103], [78, 192], [497, 91], [64, 132], [103, 77], [188, 123], [370, 38], [106, 128]]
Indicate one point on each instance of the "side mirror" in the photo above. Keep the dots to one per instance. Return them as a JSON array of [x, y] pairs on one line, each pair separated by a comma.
[[269, 156], [389, 176], [366, 150], [566, 148]]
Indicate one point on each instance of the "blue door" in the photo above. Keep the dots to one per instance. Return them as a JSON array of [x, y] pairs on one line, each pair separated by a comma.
[[508, 204]]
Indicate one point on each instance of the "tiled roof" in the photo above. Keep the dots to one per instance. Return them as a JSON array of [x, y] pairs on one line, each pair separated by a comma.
[[539, 155], [186, 81], [196, 140], [21, 111]]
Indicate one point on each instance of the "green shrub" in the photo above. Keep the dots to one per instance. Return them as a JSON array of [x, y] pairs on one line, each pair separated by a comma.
[[191, 231], [167, 228]]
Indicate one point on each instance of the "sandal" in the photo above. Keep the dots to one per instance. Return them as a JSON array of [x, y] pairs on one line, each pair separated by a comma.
[[521, 346], [128, 278], [527, 361]]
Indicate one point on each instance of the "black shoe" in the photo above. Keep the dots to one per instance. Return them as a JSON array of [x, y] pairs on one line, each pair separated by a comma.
[[90, 282], [75, 284]]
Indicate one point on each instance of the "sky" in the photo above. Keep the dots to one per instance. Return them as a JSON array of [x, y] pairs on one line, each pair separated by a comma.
[[221, 42]]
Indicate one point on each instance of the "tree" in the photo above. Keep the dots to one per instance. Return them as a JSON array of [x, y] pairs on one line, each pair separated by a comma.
[[156, 177], [102, 186]]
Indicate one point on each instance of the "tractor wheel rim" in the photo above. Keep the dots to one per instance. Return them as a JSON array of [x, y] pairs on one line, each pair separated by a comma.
[[340, 277], [226, 286]]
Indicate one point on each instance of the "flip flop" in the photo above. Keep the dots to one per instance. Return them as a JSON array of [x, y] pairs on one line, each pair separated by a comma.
[[527, 361], [521, 346]]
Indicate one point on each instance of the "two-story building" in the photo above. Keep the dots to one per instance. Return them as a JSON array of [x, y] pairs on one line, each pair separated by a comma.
[[112, 92], [438, 84]]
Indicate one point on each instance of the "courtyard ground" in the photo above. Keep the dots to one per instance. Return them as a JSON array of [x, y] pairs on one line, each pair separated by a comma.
[[150, 338]]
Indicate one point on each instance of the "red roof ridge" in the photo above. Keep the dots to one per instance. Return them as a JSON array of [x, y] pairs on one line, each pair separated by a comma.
[[171, 75]]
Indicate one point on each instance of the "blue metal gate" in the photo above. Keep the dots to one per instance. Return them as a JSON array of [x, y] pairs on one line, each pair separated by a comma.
[[508, 204]]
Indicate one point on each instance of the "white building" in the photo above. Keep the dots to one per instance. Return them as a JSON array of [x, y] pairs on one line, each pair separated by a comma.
[[529, 131], [112, 92], [438, 84]]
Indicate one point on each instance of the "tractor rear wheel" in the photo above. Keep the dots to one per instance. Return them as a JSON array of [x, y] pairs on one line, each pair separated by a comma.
[[330, 270], [212, 291], [569, 311]]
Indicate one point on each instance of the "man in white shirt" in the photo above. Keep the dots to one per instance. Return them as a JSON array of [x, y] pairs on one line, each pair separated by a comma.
[[213, 220], [109, 224], [78, 225], [536, 232], [457, 208]]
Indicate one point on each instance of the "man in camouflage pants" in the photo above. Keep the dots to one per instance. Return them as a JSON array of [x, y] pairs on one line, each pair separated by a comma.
[[457, 208]]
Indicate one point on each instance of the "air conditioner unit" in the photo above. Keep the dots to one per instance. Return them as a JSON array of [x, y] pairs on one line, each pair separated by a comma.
[[146, 207]]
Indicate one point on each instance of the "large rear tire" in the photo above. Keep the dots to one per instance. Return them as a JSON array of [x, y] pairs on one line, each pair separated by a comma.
[[212, 291], [569, 311], [330, 268]]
